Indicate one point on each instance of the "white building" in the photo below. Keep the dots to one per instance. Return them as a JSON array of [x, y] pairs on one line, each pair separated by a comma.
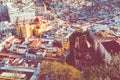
[[21, 50]]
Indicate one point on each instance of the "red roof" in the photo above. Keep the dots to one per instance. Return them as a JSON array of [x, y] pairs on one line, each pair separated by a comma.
[[112, 46], [37, 20], [35, 42]]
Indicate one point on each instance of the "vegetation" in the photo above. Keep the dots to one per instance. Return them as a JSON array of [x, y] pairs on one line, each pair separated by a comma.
[[104, 71], [59, 71]]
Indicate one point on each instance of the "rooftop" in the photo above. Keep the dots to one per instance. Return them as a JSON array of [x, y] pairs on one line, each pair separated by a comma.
[[20, 70], [112, 46], [34, 43], [10, 74]]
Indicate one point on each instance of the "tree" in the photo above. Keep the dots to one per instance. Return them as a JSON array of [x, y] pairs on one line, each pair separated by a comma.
[[58, 71], [104, 71]]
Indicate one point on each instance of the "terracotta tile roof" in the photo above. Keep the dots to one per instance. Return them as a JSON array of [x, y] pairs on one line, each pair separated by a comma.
[[35, 42]]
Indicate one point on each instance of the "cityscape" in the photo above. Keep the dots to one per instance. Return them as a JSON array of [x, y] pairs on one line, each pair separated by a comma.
[[59, 39]]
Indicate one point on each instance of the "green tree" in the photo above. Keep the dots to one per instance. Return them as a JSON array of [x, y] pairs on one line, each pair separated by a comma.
[[59, 71]]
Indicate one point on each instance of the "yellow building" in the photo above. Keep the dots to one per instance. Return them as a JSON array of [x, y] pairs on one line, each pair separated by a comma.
[[26, 30], [66, 42], [23, 29], [39, 28], [18, 27]]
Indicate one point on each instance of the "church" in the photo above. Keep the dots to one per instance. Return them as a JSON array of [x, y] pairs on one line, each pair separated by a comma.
[[33, 28]]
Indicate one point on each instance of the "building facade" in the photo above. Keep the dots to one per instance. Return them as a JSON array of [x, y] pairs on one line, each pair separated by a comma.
[[27, 30]]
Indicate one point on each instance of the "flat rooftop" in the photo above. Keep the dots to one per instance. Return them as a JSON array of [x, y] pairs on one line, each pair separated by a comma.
[[10, 70], [12, 74], [112, 46], [19, 69]]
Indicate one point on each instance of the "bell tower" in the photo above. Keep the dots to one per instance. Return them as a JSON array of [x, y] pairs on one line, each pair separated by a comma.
[[18, 26]]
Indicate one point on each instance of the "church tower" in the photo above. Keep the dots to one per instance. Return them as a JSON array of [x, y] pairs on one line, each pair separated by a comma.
[[37, 29], [18, 27], [26, 30]]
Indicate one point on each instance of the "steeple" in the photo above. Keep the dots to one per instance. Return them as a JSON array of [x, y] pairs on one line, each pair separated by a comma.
[[24, 22], [17, 21]]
